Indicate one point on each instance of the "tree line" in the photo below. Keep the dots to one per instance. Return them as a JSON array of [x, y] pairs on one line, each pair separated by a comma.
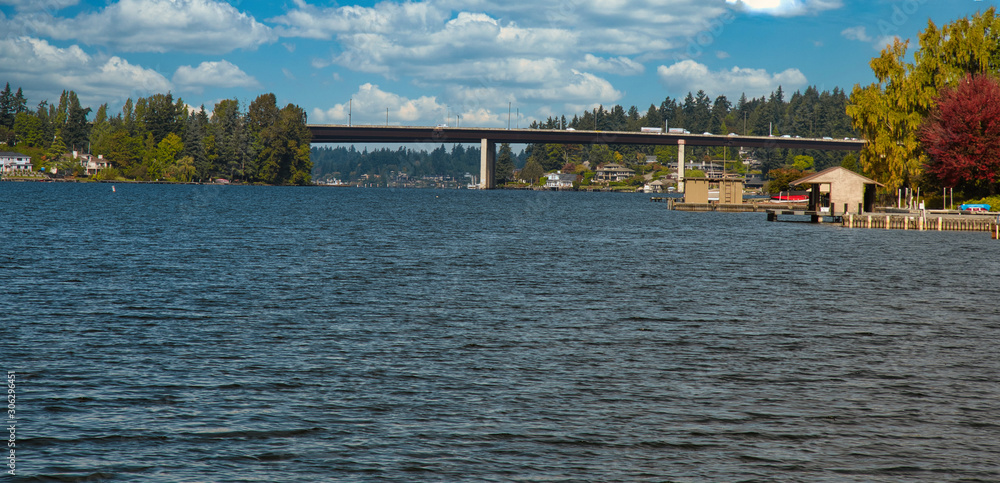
[[809, 113], [349, 164], [159, 137]]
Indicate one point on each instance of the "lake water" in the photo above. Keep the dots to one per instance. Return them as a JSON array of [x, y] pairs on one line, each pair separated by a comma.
[[227, 333]]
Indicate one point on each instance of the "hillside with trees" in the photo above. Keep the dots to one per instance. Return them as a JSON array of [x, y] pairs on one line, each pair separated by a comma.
[[808, 113], [161, 138]]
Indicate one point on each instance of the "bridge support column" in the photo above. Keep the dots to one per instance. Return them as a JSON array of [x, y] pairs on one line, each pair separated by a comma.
[[680, 165], [487, 160]]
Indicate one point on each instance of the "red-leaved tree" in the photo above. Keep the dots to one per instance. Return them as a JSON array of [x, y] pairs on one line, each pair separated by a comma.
[[962, 135]]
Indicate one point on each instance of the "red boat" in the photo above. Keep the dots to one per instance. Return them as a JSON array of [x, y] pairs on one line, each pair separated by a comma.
[[783, 198]]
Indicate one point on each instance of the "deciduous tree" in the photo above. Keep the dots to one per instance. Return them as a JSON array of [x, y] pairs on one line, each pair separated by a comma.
[[962, 135], [890, 112]]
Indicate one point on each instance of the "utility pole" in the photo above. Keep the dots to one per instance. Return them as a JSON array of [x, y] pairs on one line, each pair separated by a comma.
[[350, 106]]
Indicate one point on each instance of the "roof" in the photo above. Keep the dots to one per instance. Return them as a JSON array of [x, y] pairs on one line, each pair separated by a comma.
[[613, 167], [830, 175], [562, 176], [11, 154]]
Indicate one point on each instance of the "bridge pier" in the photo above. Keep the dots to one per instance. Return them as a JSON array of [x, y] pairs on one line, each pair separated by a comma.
[[680, 165], [487, 161]]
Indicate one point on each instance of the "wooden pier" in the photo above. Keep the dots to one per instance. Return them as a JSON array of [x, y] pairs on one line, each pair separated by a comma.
[[814, 216], [927, 222], [901, 221]]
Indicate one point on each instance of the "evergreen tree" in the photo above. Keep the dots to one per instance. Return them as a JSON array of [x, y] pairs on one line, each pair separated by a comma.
[[76, 130], [229, 138], [504, 167], [6, 107], [194, 143]]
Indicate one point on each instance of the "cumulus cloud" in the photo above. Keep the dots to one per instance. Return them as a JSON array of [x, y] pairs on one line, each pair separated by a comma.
[[42, 68], [369, 103], [203, 26], [689, 76], [473, 52], [213, 74], [786, 8], [389, 38]]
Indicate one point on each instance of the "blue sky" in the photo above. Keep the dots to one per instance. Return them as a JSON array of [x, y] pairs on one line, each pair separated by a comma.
[[430, 61]]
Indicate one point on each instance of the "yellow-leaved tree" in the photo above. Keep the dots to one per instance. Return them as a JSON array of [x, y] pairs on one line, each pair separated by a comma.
[[889, 113]]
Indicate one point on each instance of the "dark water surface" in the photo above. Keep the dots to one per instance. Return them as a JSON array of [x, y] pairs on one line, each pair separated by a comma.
[[209, 333]]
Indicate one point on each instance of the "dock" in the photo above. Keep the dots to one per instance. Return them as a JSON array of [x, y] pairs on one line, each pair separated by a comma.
[[814, 216], [676, 204], [940, 221], [922, 222]]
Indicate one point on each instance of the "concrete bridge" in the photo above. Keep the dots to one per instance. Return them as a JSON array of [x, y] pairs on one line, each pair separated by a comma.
[[489, 137]]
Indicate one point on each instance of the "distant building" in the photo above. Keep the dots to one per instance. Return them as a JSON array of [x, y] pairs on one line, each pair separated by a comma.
[[658, 186], [560, 180], [613, 172], [90, 163], [13, 163]]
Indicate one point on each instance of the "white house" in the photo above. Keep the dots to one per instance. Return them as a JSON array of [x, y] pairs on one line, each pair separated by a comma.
[[559, 180], [90, 163], [11, 162]]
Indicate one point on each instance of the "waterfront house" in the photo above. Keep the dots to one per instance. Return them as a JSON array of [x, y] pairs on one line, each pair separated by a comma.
[[90, 163], [839, 191], [560, 180], [658, 186], [613, 172], [14, 163]]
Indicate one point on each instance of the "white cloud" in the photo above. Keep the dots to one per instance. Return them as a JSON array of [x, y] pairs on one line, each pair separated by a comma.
[[478, 59], [43, 70], [689, 76], [616, 65], [786, 8], [368, 105], [856, 33], [395, 40], [213, 74], [860, 34], [204, 26]]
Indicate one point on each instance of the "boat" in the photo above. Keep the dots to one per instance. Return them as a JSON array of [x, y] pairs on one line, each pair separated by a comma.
[[789, 198], [970, 208]]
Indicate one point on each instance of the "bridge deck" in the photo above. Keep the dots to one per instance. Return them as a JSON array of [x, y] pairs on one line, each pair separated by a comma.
[[436, 135]]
